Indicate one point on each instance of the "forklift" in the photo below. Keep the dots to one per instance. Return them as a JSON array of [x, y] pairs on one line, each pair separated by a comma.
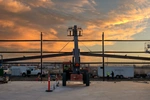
[[72, 70]]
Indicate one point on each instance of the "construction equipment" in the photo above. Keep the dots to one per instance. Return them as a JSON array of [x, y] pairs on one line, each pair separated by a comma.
[[68, 75], [71, 70], [3, 74], [3, 77]]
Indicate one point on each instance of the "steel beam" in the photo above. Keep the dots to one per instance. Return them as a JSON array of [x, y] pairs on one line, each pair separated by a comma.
[[73, 40], [116, 56], [36, 57], [80, 63], [68, 52], [83, 54], [36, 41]]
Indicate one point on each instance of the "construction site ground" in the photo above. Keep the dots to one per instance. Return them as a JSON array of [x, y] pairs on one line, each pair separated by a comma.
[[98, 90], [36, 78]]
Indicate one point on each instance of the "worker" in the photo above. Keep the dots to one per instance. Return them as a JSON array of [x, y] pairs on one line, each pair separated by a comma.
[[108, 74], [112, 75], [39, 77], [66, 67]]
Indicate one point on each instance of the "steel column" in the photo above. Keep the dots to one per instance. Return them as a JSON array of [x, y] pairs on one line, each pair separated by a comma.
[[41, 54], [103, 56]]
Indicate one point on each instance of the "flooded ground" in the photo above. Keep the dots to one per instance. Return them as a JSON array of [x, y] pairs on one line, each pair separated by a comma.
[[98, 90]]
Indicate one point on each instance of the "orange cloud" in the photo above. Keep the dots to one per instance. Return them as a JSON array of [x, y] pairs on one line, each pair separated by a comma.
[[14, 6], [6, 23], [119, 24], [140, 1], [53, 31], [25, 33], [41, 3], [51, 19]]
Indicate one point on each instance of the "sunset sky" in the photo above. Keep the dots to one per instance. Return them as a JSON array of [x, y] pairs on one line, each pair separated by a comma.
[[118, 19]]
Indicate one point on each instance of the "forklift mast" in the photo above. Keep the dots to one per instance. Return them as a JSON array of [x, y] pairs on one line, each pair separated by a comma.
[[75, 32], [75, 74]]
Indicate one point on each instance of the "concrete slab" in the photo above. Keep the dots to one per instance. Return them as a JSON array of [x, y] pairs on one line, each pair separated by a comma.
[[98, 90]]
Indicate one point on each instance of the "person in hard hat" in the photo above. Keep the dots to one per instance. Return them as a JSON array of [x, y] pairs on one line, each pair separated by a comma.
[[66, 67], [108, 74], [112, 75]]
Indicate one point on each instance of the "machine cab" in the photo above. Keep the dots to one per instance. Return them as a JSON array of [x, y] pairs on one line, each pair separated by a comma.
[[67, 66]]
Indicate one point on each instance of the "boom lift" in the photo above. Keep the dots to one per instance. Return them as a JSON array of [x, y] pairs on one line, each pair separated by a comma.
[[72, 71]]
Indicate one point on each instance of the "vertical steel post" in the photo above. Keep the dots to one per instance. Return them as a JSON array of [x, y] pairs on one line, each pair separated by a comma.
[[103, 56], [41, 54], [76, 49], [1, 60]]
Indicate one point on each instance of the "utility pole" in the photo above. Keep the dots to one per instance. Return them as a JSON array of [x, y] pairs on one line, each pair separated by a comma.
[[103, 57]]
